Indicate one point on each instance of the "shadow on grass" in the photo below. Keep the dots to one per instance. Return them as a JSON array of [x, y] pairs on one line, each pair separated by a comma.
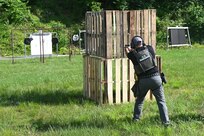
[[176, 118], [78, 123], [187, 117], [43, 97], [108, 122]]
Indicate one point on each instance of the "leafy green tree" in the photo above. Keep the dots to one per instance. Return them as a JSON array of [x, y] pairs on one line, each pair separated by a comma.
[[121, 4], [95, 6], [194, 18], [14, 12], [182, 13]]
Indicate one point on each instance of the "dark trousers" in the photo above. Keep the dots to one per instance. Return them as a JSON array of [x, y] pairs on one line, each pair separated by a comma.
[[153, 83]]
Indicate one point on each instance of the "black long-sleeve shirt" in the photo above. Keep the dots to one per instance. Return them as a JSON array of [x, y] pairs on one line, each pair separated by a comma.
[[132, 57]]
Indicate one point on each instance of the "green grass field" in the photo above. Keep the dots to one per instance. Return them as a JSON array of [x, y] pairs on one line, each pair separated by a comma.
[[46, 99]]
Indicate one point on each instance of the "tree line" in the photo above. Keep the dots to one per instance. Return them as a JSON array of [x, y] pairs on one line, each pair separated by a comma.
[[71, 14]]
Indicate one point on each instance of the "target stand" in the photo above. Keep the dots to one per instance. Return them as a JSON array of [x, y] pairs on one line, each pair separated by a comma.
[[178, 36]]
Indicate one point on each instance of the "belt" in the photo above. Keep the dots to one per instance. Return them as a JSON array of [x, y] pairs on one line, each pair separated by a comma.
[[148, 76]]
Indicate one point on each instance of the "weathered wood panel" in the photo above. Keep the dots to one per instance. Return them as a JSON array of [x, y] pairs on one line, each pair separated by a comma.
[[107, 32]]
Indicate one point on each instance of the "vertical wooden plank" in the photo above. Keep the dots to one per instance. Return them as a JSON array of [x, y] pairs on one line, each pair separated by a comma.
[[100, 82], [109, 48], [160, 62], [138, 28], [118, 80], [153, 19], [92, 34], [94, 79], [96, 34], [91, 31], [114, 34], [128, 29], [98, 27], [87, 32], [109, 81], [101, 32], [121, 34], [104, 81], [88, 73], [91, 78], [150, 26], [131, 80], [124, 80], [84, 75], [125, 30], [142, 23], [97, 81], [89, 35], [87, 78], [105, 68], [103, 41], [132, 23], [118, 43], [146, 26], [125, 26]]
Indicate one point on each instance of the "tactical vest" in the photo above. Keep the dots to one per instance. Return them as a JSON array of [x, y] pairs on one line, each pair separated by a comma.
[[145, 61]]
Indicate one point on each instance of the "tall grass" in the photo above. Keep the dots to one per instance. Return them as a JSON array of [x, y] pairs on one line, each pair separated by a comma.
[[46, 99]]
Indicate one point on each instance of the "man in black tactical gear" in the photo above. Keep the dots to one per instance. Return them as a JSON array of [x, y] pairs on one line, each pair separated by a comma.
[[143, 59]]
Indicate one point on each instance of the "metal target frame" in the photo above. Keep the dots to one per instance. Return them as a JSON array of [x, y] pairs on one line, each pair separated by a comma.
[[178, 36], [28, 31]]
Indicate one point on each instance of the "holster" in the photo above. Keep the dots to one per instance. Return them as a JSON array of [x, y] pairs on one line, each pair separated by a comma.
[[163, 78], [135, 89]]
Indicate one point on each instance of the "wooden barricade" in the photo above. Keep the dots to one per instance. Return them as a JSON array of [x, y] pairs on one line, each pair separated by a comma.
[[108, 32], [108, 74], [110, 80]]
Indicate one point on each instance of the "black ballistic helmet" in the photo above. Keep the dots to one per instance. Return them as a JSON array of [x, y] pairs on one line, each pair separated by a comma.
[[136, 40]]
